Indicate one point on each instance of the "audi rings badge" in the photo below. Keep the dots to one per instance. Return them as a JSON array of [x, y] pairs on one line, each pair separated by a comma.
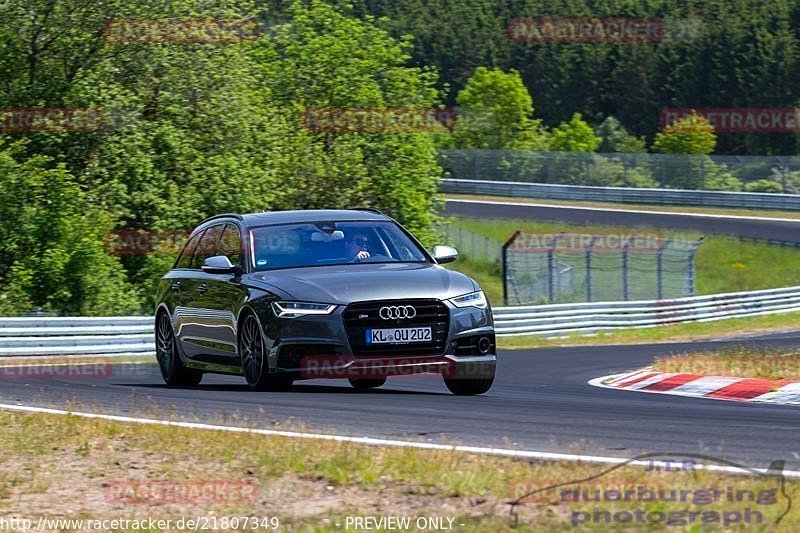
[[397, 312]]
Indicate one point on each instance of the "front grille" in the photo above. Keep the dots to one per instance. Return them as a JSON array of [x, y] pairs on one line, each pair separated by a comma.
[[359, 317]]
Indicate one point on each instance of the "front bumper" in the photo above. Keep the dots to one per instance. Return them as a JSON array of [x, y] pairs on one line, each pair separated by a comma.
[[314, 347], [449, 366]]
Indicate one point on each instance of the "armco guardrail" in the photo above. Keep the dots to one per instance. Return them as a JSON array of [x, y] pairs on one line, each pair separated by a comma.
[[134, 335], [746, 200], [558, 319], [76, 336]]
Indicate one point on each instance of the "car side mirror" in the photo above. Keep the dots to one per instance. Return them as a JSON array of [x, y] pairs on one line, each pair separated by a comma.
[[444, 254], [219, 264]]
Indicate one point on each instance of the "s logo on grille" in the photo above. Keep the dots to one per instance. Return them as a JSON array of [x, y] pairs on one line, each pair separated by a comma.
[[396, 312]]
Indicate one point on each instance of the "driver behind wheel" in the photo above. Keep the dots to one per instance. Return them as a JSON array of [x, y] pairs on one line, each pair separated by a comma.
[[358, 247]]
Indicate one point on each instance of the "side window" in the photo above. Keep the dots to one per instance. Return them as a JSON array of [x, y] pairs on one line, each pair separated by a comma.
[[185, 259], [230, 244], [207, 246]]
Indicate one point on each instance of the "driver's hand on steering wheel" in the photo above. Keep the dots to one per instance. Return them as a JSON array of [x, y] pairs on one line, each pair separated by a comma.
[[363, 254]]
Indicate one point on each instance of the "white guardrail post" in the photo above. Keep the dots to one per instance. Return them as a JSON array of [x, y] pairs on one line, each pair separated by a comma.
[[132, 335]]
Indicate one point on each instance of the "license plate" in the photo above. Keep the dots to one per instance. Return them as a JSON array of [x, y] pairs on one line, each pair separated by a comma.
[[398, 335]]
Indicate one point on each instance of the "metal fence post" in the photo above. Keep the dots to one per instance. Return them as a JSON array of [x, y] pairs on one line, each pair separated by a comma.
[[589, 267], [548, 162], [550, 274], [702, 173], [660, 267], [625, 271], [624, 171], [504, 265], [691, 282], [551, 267], [586, 173]]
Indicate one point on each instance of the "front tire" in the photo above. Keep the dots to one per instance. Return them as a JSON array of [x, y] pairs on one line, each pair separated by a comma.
[[173, 371], [468, 387], [254, 365], [366, 384]]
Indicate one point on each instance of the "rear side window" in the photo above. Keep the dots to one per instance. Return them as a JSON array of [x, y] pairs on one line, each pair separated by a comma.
[[230, 244], [208, 245], [185, 259]]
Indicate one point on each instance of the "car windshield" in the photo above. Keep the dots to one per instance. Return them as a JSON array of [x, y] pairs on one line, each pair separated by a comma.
[[331, 243]]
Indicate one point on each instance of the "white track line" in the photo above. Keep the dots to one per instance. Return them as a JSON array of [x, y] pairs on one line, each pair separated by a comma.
[[617, 210], [518, 454]]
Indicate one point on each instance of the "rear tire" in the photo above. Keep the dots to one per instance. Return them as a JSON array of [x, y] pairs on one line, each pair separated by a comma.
[[254, 365], [173, 371], [468, 387], [366, 384]]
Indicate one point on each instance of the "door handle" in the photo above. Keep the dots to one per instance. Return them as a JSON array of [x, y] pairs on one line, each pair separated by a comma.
[[202, 288], [175, 286]]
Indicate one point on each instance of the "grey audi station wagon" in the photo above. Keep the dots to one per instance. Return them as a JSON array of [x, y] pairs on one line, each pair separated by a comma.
[[347, 294]]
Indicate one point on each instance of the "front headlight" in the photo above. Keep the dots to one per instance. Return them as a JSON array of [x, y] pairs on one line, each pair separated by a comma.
[[298, 309], [473, 299]]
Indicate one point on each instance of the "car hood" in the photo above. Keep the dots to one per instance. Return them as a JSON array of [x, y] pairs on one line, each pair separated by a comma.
[[344, 284]]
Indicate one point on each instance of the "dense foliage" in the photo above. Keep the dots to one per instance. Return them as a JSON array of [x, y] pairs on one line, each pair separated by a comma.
[[716, 53], [190, 130], [193, 129]]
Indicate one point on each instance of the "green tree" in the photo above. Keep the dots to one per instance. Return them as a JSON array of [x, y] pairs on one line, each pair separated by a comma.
[[53, 255], [494, 112], [687, 144], [574, 136], [615, 138], [689, 135], [324, 59], [195, 129]]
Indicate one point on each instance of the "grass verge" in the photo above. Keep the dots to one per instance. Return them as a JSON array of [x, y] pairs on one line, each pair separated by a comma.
[[78, 468]]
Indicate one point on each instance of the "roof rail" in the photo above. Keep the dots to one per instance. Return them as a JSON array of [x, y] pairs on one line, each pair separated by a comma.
[[237, 216], [369, 209]]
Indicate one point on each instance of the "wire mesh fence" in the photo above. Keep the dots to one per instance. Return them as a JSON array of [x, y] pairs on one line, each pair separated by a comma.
[[572, 267], [541, 267], [777, 174], [471, 245]]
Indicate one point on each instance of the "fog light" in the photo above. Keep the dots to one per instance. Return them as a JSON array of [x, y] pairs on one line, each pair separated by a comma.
[[484, 345]]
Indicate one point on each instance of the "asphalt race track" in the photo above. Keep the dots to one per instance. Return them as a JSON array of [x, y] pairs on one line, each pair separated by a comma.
[[540, 402], [782, 230]]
